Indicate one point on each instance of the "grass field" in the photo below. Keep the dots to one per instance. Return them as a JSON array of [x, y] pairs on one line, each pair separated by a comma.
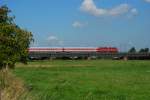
[[86, 80]]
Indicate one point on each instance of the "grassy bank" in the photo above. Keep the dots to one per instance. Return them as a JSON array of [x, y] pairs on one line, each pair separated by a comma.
[[86, 80]]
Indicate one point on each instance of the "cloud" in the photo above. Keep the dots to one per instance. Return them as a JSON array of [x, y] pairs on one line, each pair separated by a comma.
[[147, 1], [54, 41], [134, 11], [119, 10], [89, 7], [78, 24]]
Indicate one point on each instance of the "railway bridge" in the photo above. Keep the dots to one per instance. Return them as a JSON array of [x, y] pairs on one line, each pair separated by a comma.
[[88, 55]]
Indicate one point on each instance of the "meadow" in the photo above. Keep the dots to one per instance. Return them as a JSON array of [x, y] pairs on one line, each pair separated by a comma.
[[86, 79]]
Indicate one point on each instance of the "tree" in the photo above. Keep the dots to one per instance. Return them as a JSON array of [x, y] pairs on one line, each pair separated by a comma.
[[146, 50], [132, 50], [14, 41], [141, 50]]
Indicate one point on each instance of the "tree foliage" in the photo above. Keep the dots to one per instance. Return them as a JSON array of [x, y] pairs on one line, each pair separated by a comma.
[[145, 50], [132, 50], [14, 40]]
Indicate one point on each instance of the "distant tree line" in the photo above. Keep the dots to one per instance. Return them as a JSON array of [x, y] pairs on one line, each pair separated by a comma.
[[142, 50]]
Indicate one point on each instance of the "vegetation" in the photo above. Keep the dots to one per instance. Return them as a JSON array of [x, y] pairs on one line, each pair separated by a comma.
[[132, 50], [145, 50], [86, 80], [14, 42], [65, 80], [142, 50], [14, 88]]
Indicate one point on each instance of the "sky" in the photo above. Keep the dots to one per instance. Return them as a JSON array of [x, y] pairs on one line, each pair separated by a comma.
[[84, 23]]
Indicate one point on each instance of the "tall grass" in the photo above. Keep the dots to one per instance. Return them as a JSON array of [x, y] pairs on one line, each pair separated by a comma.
[[11, 87]]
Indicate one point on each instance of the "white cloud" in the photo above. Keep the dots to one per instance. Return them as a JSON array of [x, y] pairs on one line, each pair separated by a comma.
[[54, 41], [118, 10], [51, 38], [147, 1], [134, 11], [78, 24], [89, 6]]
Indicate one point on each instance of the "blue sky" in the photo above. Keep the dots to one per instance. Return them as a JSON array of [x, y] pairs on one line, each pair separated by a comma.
[[84, 23]]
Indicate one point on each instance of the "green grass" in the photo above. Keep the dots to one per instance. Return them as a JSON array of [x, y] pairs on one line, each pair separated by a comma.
[[87, 80]]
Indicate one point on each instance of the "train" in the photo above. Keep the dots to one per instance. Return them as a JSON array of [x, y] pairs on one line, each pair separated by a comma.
[[71, 52], [43, 53], [81, 49]]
